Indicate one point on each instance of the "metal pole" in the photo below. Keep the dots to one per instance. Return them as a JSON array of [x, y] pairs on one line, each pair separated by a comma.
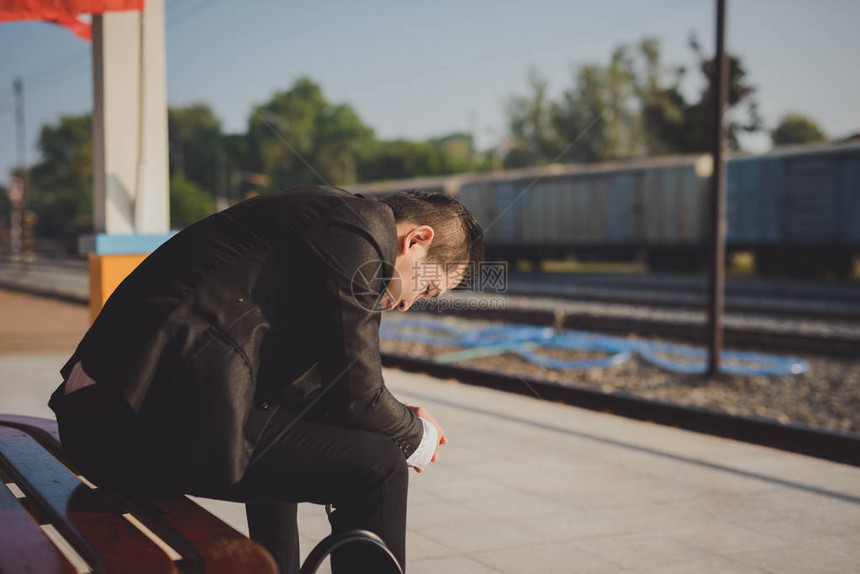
[[716, 279], [19, 185], [19, 122]]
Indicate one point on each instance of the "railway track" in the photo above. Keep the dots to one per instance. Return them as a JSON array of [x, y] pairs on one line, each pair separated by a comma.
[[697, 284], [839, 446], [757, 297], [68, 280]]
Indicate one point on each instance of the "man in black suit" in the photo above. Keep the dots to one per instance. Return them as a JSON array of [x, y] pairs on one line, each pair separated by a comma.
[[240, 361]]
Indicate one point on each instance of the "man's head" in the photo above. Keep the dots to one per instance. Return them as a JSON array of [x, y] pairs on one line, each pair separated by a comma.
[[437, 239]]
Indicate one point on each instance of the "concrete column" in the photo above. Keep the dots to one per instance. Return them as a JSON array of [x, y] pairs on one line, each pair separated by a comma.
[[131, 197], [130, 122]]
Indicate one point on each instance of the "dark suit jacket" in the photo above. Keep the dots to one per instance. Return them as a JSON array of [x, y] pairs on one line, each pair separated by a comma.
[[257, 305]]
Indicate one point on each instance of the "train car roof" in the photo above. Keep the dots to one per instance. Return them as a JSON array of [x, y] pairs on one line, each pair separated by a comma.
[[451, 183]]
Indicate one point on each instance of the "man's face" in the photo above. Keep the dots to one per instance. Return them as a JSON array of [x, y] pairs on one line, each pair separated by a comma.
[[414, 277]]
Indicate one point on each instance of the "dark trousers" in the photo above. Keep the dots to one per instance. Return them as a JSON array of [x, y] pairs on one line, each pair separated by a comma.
[[362, 474]]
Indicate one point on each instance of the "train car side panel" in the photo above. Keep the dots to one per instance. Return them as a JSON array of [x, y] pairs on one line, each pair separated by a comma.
[[849, 200]]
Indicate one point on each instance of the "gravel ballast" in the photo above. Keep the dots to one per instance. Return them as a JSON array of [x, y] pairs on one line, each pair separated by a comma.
[[828, 395]]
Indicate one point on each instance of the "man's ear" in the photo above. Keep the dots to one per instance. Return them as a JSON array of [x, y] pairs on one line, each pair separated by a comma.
[[421, 235]]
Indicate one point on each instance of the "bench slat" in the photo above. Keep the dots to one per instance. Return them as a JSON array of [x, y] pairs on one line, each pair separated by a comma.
[[218, 544], [44, 431], [28, 550], [205, 542], [22, 422], [81, 515]]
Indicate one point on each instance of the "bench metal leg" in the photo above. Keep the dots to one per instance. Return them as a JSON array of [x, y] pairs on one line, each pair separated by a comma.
[[333, 541]]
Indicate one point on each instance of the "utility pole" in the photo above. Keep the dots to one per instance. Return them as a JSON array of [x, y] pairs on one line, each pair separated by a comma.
[[17, 191], [19, 122], [716, 279]]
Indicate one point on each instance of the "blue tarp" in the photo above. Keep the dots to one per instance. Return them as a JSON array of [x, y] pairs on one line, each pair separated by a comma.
[[527, 341]]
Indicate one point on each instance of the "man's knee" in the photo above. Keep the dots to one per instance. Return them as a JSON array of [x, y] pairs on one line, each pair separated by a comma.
[[386, 460]]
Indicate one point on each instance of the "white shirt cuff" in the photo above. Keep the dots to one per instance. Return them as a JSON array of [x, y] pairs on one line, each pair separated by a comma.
[[422, 455]]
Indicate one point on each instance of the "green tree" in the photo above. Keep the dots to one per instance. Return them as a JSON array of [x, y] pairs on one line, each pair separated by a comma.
[[600, 112], [796, 128], [339, 138], [674, 125], [196, 145], [631, 106], [238, 181], [61, 183], [298, 137], [531, 124], [400, 159], [743, 113], [456, 152], [188, 202], [664, 110]]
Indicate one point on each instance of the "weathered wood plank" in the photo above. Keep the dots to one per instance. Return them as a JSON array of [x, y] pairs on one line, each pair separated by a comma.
[[23, 545], [220, 547], [204, 541], [96, 530]]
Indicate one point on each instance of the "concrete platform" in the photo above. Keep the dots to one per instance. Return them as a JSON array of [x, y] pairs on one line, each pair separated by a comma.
[[528, 486]]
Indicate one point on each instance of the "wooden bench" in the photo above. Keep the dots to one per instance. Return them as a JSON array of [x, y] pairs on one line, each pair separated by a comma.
[[54, 520]]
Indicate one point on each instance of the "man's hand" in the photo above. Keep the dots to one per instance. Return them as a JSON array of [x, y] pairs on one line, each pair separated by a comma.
[[440, 434]]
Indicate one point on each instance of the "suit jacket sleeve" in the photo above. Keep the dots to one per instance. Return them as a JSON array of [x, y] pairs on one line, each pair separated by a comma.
[[349, 271]]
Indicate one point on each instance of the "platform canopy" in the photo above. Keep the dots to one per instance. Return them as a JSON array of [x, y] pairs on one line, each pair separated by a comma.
[[64, 12]]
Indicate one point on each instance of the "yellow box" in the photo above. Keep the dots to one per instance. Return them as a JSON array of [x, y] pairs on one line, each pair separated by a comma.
[[106, 273]]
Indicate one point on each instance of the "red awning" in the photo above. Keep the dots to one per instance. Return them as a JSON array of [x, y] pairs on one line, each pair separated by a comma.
[[64, 12]]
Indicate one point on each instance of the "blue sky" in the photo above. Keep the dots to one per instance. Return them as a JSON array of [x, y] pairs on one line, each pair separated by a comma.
[[418, 70]]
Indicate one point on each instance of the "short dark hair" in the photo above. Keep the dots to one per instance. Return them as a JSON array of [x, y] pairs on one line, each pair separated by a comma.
[[459, 237]]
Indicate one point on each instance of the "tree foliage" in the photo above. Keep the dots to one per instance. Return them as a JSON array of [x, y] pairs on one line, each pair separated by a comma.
[[61, 183], [631, 106], [298, 137], [796, 128], [531, 124], [196, 146], [189, 202], [599, 112], [401, 159]]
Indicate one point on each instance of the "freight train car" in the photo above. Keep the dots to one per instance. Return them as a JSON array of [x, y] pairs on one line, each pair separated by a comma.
[[611, 211], [797, 210]]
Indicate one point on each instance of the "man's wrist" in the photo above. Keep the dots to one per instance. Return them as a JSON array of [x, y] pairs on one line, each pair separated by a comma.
[[426, 448]]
